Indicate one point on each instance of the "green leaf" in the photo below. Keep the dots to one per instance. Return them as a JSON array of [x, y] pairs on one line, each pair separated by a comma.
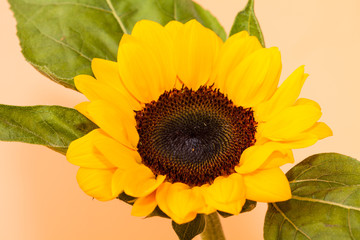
[[61, 37], [53, 126], [325, 202], [189, 230], [247, 21]]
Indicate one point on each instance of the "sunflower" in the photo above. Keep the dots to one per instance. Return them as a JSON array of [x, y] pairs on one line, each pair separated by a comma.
[[191, 124]]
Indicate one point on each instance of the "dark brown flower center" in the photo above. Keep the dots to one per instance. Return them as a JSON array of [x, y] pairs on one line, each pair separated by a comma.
[[194, 136]]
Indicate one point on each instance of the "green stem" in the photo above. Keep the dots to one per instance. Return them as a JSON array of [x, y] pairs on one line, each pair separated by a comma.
[[213, 229]]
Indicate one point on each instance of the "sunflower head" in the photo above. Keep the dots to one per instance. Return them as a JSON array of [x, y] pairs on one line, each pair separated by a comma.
[[191, 124], [194, 136]]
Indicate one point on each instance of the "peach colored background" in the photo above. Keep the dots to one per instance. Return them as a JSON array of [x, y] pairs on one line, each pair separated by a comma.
[[39, 196]]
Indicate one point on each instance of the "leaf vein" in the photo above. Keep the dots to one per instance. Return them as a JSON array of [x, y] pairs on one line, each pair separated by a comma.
[[19, 126], [62, 43], [72, 4], [53, 130], [354, 191], [349, 225], [116, 16], [325, 202], [280, 227], [288, 219], [315, 180], [175, 10], [306, 170]]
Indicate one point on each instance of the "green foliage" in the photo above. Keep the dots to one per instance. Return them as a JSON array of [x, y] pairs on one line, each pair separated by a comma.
[[61, 37], [52, 126], [246, 20], [325, 202], [189, 230]]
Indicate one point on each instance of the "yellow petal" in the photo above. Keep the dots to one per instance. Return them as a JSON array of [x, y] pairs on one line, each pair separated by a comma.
[[285, 96], [80, 83], [196, 51], [179, 201], [268, 185], [118, 123], [160, 42], [82, 152], [290, 122], [96, 90], [140, 181], [320, 130], [156, 37], [226, 194], [175, 29], [207, 209], [143, 206], [302, 140], [107, 72], [256, 156], [233, 51], [118, 154], [255, 79], [309, 102], [277, 159], [96, 182], [145, 72], [118, 181], [309, 137]]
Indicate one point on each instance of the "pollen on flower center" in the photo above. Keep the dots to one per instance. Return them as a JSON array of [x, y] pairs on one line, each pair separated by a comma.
[[194, 136]]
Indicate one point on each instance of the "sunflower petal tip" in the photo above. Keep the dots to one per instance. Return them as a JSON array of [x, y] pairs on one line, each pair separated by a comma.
[[192, 21], [144, 23], [69, 152], [274, 50], [327, 131], [79, 78], [94, 60], [246, 33], [126, 38], [82, 107], [173, 23]]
